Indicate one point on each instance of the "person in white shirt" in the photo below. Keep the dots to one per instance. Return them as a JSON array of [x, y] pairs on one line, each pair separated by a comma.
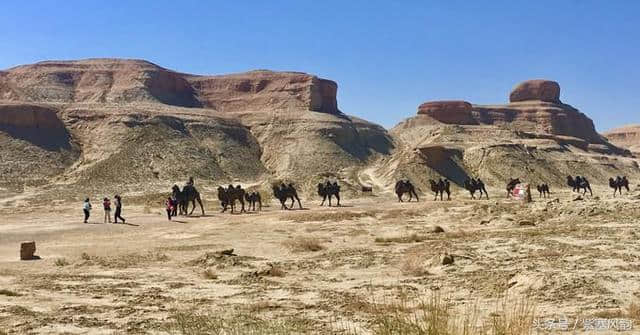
[[86, 207]]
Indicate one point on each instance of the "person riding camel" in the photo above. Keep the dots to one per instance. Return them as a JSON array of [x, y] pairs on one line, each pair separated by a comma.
[[189, 182]]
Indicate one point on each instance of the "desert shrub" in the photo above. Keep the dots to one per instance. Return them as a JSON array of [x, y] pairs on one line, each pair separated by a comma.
[[413, 238], [61, 262], [301, 244]]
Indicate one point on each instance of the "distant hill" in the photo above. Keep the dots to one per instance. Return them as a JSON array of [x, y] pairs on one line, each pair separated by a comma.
[[99, 126]]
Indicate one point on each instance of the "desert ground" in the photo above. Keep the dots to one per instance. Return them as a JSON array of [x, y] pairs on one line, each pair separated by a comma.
[[372, 266]]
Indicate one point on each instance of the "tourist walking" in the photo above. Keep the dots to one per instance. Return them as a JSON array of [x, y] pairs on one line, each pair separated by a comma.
[[169, 204], [86, 208], [106, 203], [118, 204]]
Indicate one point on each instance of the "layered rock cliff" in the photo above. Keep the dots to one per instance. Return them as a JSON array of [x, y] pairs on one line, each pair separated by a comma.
[[535, 107], [534, 136], [125, 123], [626, 137]]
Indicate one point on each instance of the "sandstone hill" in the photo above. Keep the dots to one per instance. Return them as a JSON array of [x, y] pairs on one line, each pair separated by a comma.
[[535, 137], [111, 125], [625, 137], [100, 126]]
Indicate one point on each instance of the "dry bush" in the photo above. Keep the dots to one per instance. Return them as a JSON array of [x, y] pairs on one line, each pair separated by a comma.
[[633, 311], [401, 239], [512, 316], [209, 274], [9, 293], [413, 265], [274, 271], [301, 244], [61, 262]]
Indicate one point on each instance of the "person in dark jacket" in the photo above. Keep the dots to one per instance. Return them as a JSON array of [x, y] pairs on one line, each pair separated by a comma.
[[118, 204]]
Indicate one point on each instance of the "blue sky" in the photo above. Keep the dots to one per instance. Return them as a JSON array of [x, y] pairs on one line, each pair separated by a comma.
[[387, 56]]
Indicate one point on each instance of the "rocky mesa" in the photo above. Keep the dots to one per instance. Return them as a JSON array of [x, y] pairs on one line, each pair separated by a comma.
[[131, 124], [535, 136], [534, 107]]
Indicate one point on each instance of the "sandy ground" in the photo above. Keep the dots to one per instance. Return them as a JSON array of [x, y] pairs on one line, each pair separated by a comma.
[[579, 259]]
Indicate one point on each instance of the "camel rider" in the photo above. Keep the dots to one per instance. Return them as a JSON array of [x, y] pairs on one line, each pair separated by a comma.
[[189, 182]]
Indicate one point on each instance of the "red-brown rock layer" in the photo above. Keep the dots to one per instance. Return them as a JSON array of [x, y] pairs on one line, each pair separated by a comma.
[[260, 90], [135, 81], [454, 111], [29, 116], [537, 109], [539, 89], [626, 137]]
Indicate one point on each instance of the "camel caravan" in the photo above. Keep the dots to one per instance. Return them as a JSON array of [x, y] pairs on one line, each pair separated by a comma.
[[231, 195]]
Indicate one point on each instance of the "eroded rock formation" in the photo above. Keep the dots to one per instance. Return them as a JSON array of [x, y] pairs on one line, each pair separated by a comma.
[[537, 89], [626, 137]]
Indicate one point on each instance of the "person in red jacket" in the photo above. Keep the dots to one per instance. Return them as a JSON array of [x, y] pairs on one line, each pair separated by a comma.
[[170, 205], [106, 203]]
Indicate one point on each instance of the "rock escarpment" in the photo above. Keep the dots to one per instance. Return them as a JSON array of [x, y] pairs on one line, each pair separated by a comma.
[[626, 137], [534, 136], [537, 89], [129, 124], [260, 90], [535, 107]]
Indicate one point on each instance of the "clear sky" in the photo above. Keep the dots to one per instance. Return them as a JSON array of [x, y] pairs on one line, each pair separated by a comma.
[[387, 56]]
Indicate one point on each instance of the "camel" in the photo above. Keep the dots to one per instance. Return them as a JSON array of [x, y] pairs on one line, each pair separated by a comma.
[[618, 183], [403, 187], [252, 198], [284, 192], [188, 194], [579, 183], [229, 196], [329, 190], [473, 185], [543, 189], [511, 185], [440, 187]]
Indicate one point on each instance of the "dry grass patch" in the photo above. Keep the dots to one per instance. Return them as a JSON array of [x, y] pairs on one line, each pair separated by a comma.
[[123, 261], [195, 323], [436, 316], [274, 271], [633, 311], [262, 306], [322, 216], [412, 238], [209, 274], [302, 244], [61, 262], [413, 265]]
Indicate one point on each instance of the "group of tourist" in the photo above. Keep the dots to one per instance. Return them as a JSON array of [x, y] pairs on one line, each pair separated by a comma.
[[106, 204]]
